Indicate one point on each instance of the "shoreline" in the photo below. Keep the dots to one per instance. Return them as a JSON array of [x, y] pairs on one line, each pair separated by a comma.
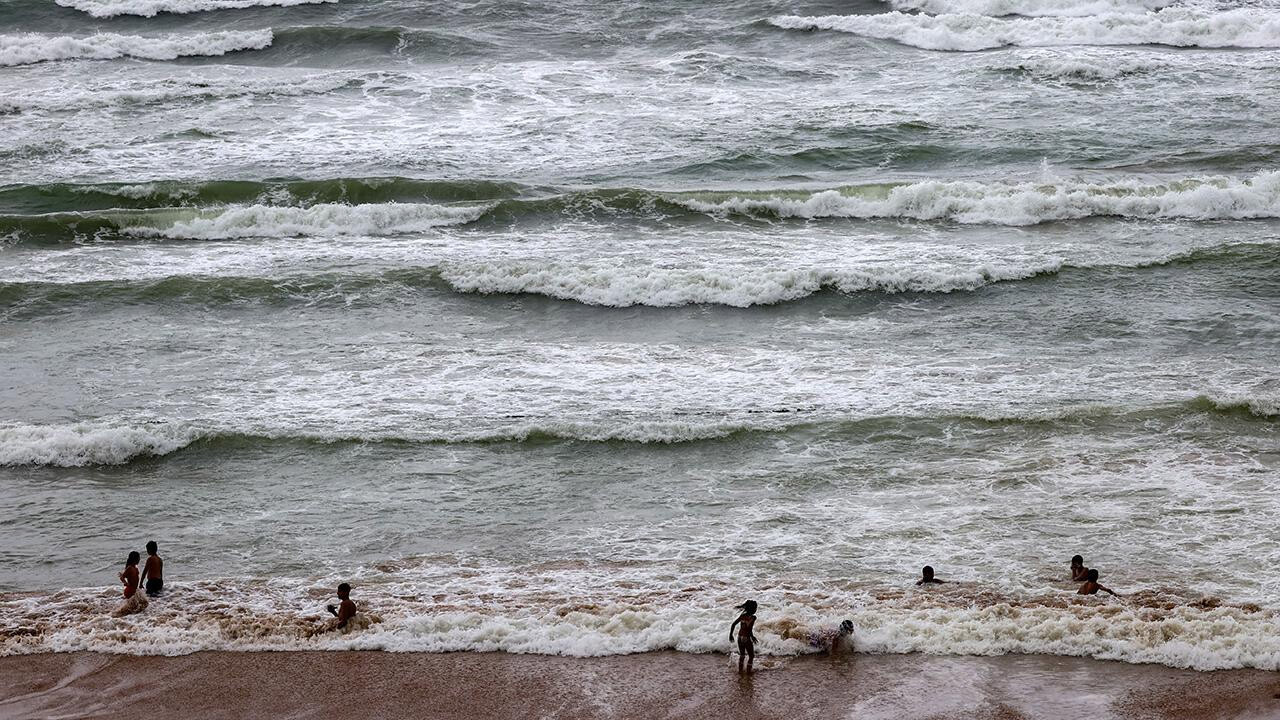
[[670, 684]]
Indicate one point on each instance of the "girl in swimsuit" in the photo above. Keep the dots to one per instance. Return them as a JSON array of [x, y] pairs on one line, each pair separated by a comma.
[[746, 638], [133, 602]]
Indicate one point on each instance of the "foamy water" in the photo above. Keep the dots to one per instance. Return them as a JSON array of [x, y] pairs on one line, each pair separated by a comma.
[[564, 328]]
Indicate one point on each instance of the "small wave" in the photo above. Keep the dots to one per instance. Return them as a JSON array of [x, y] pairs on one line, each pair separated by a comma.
[[89, 443], [328, 219], [54, 198], [151, 8], [251, 221], [118, 442], [659, 287], [1179, 27], [1018, 203], [1028, 8], [29, 48], [397, 206], [605, 284], [1262, 405]]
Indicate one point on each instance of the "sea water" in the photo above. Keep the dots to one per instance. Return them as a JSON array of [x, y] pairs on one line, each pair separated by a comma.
[[563, 327]]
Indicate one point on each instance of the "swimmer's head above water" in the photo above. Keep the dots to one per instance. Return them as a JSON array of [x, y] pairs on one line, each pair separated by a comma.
[[748, 607]]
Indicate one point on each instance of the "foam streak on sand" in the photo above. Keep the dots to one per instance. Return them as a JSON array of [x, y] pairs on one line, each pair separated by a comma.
[[151, 8], [1181, 27], [28, 48]]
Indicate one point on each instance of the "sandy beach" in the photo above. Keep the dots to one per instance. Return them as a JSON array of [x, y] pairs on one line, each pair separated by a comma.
[[648, 685]]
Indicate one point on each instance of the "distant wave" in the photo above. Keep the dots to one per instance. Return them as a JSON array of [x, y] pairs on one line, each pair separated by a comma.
[[118, 442], [29, 48], [1180, 27], [1019, 203], [602, 284], [317, 220], [151, 8], [1028, 8], [399, 206]]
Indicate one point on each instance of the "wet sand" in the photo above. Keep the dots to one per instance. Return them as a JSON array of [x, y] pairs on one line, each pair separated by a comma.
[[650, 685]]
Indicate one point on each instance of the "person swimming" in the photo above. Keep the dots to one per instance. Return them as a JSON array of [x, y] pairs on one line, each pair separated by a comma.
[[746, 634], [1079, 573], [927, 578], [1091, 585]]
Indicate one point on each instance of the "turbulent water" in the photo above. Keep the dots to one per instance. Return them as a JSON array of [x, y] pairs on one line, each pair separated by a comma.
[[563, 327]]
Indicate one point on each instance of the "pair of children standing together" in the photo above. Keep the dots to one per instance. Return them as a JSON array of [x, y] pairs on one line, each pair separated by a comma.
[[151, 578]]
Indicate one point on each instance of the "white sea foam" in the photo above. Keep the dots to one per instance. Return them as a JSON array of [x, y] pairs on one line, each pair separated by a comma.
[[88, 443], [583, 613], [28, 48], [201, 86], [328, 219], [150, 8], [1021, 203], [1182, 27], [614, 286], [1028, 8]]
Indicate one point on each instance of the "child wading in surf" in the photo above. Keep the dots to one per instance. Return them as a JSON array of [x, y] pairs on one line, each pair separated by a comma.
[[746, 638], [1079, 573]]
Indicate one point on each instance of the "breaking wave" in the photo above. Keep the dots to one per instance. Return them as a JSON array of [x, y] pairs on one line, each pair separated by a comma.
[[151, 8], [29, 48], [584, 612], [398, 206], [119, 442], [1018, 203], [604, 284], [1180, 27], [1028, 8]]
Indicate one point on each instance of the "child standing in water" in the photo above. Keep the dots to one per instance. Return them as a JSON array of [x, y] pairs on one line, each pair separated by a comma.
[[746, 636], [153, 571], [133, 601]]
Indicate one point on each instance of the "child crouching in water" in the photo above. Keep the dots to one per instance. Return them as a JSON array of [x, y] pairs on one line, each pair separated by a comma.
[[746, 636]]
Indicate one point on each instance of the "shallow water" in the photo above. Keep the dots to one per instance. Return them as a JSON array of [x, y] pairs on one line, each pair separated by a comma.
[[564, 328]]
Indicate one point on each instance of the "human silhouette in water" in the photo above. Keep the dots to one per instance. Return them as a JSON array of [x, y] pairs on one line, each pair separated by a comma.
[[153, 572], [746, 634], [1079, 573], [345, 610], [133, 602], [927, 578], [1091, 585]]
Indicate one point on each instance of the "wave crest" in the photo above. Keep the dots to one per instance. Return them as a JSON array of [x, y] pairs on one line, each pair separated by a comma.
[[1179, 27], [1019, 203], [151, 8], [89, 443], [1028, 8], [30, 48]]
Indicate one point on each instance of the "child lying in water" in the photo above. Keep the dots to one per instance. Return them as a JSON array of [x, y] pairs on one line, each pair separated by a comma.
[[831, 639]]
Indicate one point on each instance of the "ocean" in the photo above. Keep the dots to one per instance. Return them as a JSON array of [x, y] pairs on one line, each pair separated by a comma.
[[564, 327]]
